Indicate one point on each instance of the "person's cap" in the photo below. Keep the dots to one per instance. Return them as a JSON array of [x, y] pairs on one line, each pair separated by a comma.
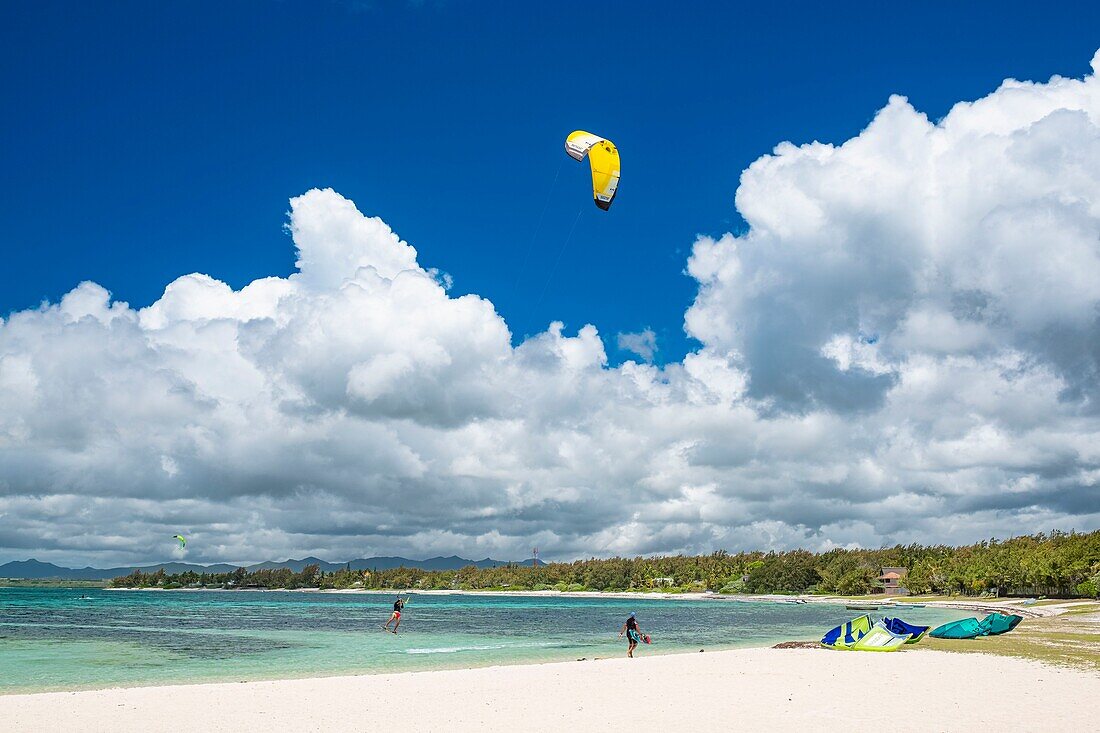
[[632, 614]]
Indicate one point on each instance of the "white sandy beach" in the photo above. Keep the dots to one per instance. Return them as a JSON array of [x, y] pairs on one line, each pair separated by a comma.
[[748, 689]]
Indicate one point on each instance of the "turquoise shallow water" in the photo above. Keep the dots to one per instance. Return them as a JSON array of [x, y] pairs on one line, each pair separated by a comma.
[[53, 639]]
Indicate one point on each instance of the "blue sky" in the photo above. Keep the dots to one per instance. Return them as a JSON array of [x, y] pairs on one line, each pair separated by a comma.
[[145, 141], [891, 338]]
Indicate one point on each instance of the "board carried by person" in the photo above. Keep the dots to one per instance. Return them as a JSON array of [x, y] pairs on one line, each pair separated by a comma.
[[634, 635]]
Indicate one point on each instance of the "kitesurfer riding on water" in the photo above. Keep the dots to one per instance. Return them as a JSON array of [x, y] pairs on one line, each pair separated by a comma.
[[395, 617]]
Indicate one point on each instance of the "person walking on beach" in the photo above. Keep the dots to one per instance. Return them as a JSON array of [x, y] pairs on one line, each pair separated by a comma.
[[395, 617], [633, 634]]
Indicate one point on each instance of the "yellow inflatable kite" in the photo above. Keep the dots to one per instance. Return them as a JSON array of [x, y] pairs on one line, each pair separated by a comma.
[[604, 159]]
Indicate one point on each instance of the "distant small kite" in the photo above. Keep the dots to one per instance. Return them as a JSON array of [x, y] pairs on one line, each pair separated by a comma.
[[180, 539]]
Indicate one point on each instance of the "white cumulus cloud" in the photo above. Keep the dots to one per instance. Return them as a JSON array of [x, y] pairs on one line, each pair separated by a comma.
[[642, 343], [904, 345]]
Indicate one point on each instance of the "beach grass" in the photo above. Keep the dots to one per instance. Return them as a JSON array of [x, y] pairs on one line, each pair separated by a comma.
[[1072, 642], [1082, 609]]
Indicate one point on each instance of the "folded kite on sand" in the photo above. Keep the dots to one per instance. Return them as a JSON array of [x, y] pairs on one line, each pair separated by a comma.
[[998, 623], [900, 627], [861, 635], [971, 628]]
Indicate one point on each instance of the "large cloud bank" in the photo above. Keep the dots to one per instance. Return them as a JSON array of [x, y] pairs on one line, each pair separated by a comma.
[[904, 345]]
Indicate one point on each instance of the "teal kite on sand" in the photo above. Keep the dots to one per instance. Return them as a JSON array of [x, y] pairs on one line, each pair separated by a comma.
[[965, 628], [971, 628], [998, 623]]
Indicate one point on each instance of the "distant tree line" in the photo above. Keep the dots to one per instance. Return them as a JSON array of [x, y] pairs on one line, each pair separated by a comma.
[[1057, 564]]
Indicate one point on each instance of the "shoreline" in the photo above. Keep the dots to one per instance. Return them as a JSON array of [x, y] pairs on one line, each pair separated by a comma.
[[759, 688], [893, 602], [1044, 642]]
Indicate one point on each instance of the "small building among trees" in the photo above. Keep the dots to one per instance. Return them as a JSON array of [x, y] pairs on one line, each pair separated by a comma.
[[890, 582]]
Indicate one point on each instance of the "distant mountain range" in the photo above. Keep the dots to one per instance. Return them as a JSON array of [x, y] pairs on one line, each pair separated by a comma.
[[33, 569]]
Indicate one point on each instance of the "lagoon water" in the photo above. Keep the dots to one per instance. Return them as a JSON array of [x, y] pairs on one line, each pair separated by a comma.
[[51, 638]]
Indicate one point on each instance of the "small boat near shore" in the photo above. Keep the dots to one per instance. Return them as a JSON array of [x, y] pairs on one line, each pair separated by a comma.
[[861, 607]]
